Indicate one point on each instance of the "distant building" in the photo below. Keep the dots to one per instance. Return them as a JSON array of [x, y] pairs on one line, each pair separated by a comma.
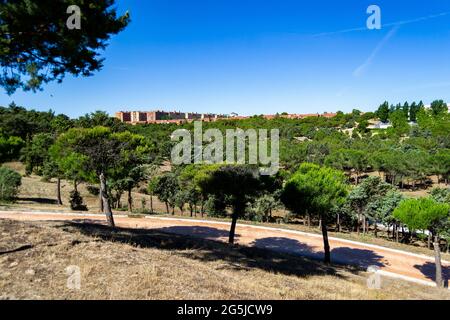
[[144, 117], [379, 125]]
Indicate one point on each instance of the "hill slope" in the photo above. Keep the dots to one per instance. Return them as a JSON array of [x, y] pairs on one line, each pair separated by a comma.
[[145, 264]]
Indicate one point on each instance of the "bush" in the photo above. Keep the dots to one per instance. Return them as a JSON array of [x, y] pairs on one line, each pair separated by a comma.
[[10, 182], [215, 207], [95, 191], [76, 201]]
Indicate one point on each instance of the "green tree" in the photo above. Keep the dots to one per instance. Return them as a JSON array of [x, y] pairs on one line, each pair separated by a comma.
[[10, 148], [399, 122], [363, 197], [10, 182], [413, 112], [37, 47], [261, 208], [317, 190], [104, 151], [406, 109], [438, 107], [383, 112], [237, 183], [36, 152], [426, 214], [166, 190], [440, 163]]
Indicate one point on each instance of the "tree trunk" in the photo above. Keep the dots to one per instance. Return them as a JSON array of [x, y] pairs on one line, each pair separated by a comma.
[[437, 255], [233, 228], [119, 197], [100, 199], [429, 241], [105, 201], [326, 244], [151, 204], [130, 201], [58, 191], [338, 223], [375, 230], [364, 224], [75, 185], [358, 222], [167, 207]]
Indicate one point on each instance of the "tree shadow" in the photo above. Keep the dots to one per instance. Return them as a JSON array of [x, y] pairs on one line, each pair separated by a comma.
[[428, 269], [198, 232], [234, 257], [358, 257], [287, 245], [345, 256], [39, 200]]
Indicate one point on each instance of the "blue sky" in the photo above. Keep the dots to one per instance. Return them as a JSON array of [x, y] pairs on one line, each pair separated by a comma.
[[254, 57]]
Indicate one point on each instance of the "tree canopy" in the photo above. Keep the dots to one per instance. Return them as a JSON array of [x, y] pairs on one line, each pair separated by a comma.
[[37, 46]]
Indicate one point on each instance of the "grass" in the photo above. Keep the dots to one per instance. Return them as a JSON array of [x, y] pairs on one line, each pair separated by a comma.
[[149, 264], [36, 194]]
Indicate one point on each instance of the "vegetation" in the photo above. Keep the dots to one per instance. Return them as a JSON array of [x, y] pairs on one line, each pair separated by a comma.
[[337, 173], [10, 182], [37, 46], [426, 214], [317, 190]]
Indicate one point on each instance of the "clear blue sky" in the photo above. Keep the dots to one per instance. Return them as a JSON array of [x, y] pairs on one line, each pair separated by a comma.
[[254, 57]]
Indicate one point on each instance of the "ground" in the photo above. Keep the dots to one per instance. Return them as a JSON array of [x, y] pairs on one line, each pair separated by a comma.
[[151, 264]]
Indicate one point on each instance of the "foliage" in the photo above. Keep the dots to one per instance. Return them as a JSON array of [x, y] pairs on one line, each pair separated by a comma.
[[10, 147], [10, 182], [37, 47], [316, 189], [423, 214]]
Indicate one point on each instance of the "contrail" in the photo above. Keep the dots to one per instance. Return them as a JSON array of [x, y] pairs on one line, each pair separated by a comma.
[[360, 70], [390, 24]]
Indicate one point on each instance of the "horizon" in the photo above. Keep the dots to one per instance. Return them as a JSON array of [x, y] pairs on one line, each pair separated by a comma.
[[261, 58]]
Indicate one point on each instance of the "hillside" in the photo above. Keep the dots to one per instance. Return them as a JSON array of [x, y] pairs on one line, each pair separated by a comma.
[[153, 265]]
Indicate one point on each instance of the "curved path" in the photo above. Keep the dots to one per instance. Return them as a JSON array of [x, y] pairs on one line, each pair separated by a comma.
[[390, 262]]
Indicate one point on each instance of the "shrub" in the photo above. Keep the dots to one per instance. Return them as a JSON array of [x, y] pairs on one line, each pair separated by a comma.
[[10, 182], [76, 201], [95, 191], [215, 207]]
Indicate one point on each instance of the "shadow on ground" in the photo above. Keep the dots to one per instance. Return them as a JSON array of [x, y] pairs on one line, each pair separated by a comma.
[[200, 232], [38, 200], [428, 269], [234, 257], [287, 245], [359, 257], [344, 255]]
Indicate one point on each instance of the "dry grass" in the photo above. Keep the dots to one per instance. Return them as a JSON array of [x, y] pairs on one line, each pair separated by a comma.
[[148, 264]]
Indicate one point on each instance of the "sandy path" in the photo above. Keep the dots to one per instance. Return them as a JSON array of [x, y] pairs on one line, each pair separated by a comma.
[[411, 267]]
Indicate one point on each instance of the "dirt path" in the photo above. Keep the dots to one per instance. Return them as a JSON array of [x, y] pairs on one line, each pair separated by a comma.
[[395, 263]]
